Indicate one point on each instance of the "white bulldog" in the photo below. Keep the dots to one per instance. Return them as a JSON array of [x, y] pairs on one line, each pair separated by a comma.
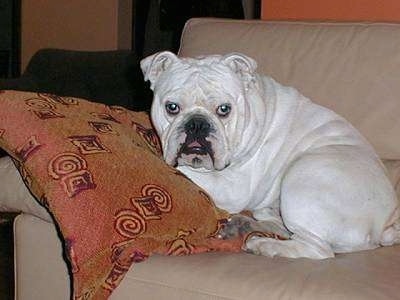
[[256, 145]]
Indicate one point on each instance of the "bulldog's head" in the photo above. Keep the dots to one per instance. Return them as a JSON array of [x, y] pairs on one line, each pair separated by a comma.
[[200, 109]]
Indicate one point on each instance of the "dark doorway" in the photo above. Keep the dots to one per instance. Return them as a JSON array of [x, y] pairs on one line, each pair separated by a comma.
[[158, 24], [10, 38]]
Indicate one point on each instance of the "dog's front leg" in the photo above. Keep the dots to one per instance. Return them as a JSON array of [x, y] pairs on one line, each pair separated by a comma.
[[240, 225], [304, 245]]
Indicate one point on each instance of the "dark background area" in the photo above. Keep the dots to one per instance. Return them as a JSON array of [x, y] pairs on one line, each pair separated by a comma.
[[10, 38], [158, 24]]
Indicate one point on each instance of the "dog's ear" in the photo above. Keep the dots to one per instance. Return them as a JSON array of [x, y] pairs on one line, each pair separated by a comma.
[[241, 64], [153, 65]]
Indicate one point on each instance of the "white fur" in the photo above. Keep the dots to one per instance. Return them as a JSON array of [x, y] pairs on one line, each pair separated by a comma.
[[282, 151]]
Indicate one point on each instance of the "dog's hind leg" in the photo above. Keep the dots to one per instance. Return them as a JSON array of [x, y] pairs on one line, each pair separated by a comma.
[[337, 200], [305, 244]]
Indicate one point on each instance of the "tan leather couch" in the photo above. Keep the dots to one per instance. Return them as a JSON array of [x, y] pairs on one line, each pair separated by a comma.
[[353, 69]]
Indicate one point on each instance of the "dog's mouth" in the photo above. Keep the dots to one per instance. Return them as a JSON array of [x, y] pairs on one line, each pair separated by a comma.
[[199, 147], [195, 150]]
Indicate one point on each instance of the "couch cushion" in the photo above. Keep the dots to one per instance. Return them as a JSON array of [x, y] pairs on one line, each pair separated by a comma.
[[38, 253], [364, 275], [352, 68]]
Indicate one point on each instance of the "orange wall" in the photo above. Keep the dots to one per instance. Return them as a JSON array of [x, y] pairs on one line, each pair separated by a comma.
[[74, 24], [344, 10]]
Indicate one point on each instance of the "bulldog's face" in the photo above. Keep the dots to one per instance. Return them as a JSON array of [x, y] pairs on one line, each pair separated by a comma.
[[199, 108]]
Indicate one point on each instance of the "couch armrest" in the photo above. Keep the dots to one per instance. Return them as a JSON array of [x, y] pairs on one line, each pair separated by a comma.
[[24, 83], [40, 271], [109, 77]]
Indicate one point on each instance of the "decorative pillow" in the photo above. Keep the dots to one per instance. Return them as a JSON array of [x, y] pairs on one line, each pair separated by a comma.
[[98, 170]]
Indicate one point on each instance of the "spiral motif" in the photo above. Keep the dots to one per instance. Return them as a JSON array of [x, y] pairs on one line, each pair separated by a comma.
[[129, 224], [160, 196], [39, 103], [66, 163]]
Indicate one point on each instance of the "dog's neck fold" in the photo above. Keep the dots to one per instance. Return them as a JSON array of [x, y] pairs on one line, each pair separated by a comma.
[[258, 118]]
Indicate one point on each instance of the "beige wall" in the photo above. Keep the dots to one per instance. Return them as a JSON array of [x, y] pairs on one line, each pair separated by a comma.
[[74, 24], [125, 18]]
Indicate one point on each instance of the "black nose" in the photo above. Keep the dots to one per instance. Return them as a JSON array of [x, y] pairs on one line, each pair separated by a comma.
[[197, 126]]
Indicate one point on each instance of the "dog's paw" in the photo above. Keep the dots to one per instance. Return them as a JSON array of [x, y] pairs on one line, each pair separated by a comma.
[[297, 246], [237, 225], [263, 246]]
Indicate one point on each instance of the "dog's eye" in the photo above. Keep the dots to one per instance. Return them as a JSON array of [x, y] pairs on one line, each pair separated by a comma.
[[172, 108], [223, 110]]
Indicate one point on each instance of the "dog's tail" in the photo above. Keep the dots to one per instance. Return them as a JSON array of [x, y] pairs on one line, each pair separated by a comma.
[[391, 234]]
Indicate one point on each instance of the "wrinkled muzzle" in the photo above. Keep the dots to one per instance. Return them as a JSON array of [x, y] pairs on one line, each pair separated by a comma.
[[196, 149], [197, 130], [196, 142]]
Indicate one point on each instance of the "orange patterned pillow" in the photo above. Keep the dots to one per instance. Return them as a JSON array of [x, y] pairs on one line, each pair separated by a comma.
[[99, 171]]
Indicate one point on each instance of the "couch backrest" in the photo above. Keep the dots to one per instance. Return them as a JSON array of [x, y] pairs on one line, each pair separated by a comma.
[[352, 68]]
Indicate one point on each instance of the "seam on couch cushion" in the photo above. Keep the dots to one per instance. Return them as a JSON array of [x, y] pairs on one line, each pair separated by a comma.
[[165, 285], [200, 21], [15, 256], [196, 21]]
